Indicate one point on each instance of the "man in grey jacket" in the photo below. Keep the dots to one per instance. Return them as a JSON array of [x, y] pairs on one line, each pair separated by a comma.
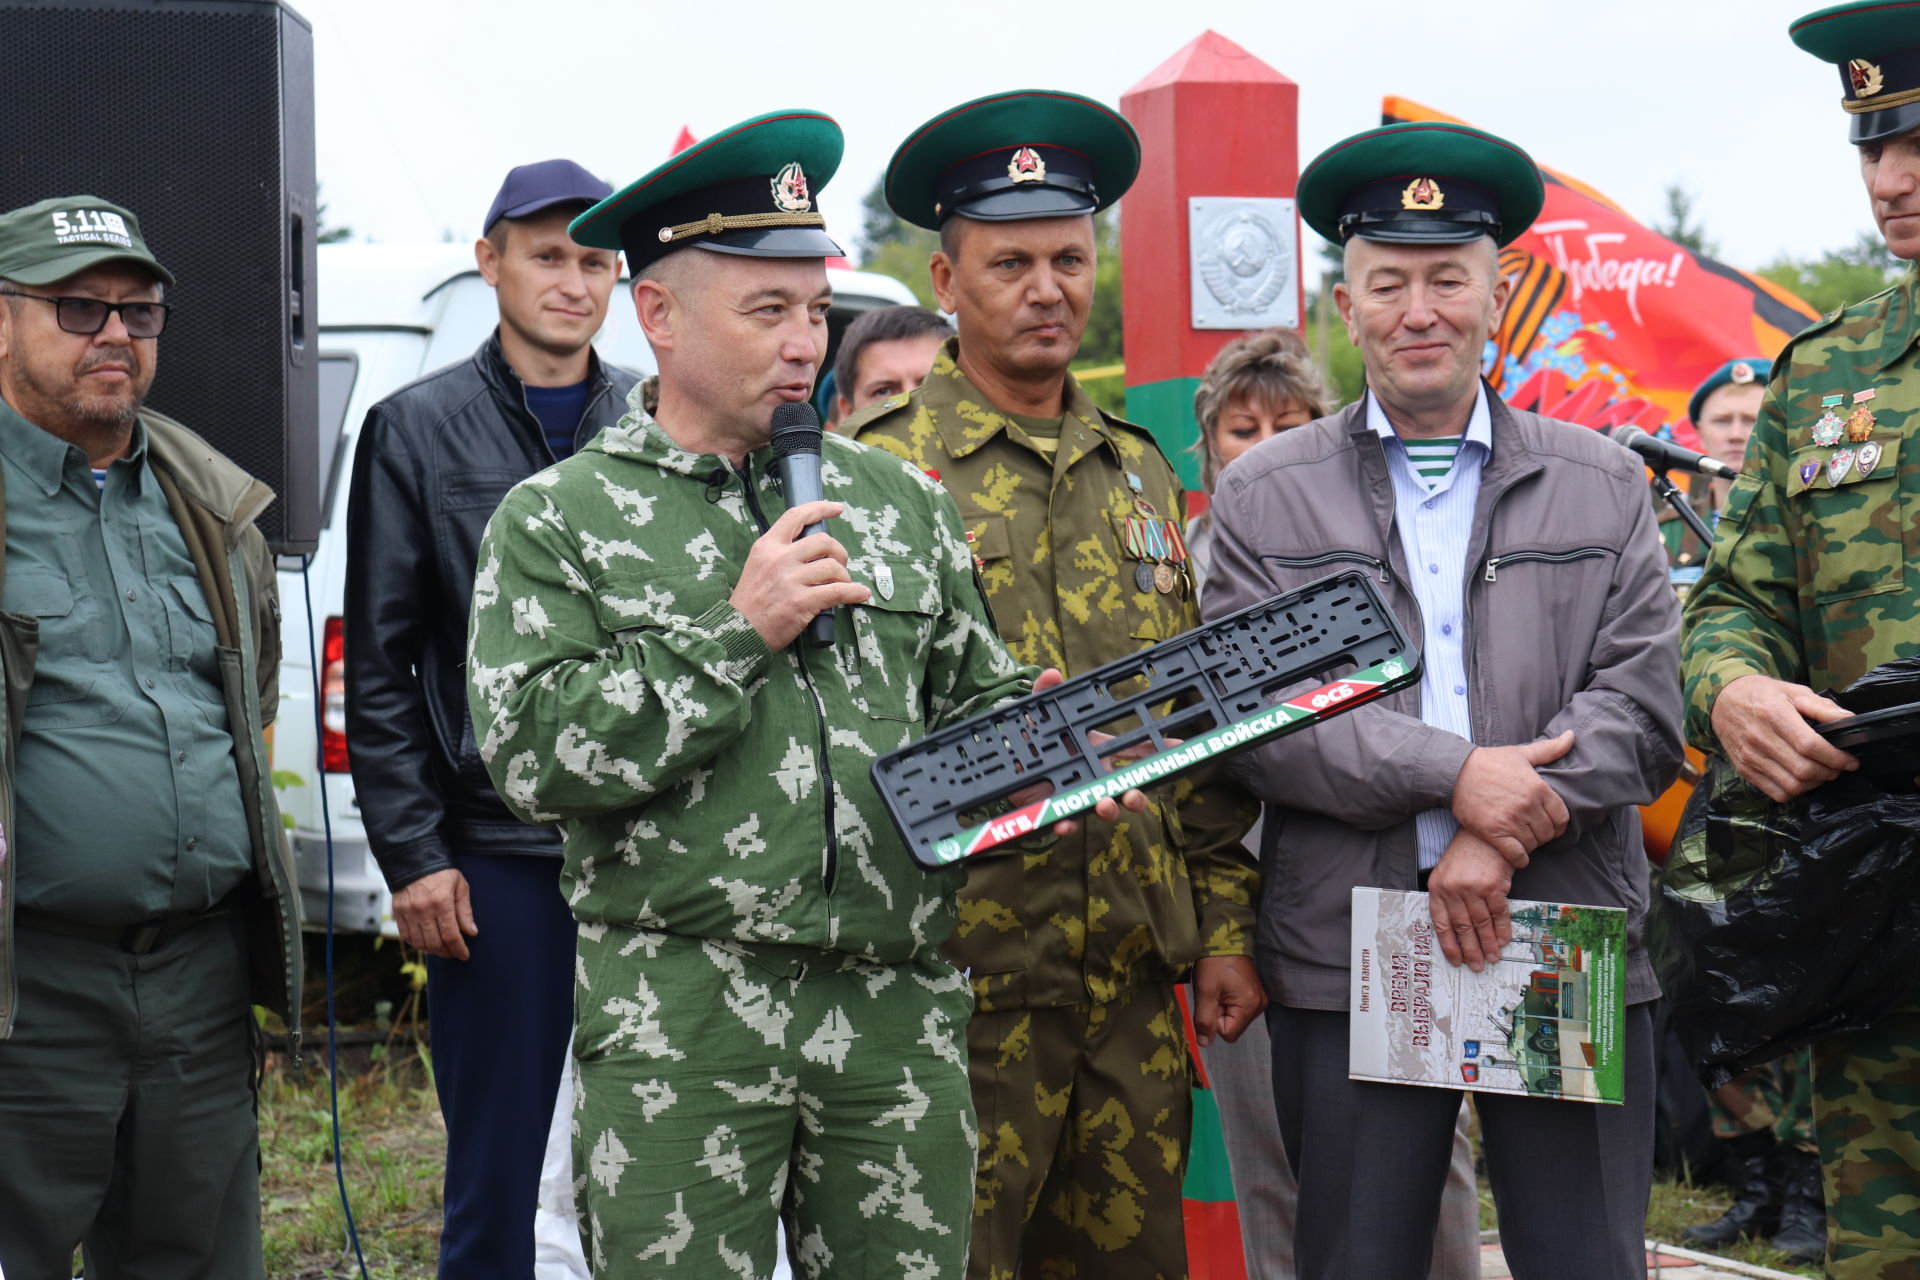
[[1523, 554]]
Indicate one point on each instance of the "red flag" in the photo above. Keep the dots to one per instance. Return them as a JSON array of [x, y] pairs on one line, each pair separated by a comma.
[[1611, 322], [682, 140]]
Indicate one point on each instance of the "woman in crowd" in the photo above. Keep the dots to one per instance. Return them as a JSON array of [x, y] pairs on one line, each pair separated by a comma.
[[1256, 387]]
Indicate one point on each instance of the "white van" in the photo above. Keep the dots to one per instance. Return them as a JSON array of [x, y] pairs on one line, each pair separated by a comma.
[[389, 313]]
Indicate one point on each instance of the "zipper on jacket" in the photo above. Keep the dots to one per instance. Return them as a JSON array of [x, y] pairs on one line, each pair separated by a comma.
[[832, 869], [1545, 557], [1378, 565]]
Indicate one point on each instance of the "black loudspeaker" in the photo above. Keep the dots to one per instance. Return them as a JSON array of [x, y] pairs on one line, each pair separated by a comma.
[[198, 116]]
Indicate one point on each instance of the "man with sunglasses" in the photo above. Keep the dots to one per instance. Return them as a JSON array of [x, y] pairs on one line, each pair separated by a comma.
[[146, 899]]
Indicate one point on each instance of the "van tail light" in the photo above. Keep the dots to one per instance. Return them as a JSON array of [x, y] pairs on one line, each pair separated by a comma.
[[333, 697]]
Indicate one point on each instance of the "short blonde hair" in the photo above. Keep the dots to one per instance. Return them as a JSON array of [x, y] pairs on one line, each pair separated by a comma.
[[1272, 367]]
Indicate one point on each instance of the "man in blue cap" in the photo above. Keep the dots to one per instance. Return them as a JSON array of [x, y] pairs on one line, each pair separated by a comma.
[[1811, 583], [1512, 770], [473, 886]]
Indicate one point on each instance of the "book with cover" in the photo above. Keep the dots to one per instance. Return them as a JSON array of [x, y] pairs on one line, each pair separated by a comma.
[[1545, 1020]]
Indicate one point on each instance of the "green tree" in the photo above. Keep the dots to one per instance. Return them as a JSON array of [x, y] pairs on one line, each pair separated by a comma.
[[1680, 226], [1838, 277], [1326, 334], [322, 233], [905, 260], [1101, 344]]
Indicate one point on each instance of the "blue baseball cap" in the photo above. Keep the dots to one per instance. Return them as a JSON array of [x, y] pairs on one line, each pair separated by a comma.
[[530, 188]]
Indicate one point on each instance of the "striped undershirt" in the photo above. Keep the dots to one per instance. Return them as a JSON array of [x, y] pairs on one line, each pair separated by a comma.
[[1432, 458]]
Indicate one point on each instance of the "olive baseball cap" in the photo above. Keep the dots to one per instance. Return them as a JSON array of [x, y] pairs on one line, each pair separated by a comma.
[[56, 238]]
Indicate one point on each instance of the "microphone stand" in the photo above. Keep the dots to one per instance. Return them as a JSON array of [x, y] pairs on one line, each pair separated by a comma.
[[1678, 501]]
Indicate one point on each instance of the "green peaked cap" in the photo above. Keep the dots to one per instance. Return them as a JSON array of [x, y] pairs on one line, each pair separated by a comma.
[[747, 189], [1421, 182], [1027, 153], [1876, 46]]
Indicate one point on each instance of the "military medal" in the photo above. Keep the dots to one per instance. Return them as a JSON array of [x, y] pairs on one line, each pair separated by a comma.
[[1827, 431], [883, 579], [1860, 422], [1838, 465], [1136, 548], [1161, 553], [1808, 470], [1867, 458]]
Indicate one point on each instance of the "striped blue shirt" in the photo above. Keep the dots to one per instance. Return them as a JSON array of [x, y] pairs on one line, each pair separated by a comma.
[[1435, 519]]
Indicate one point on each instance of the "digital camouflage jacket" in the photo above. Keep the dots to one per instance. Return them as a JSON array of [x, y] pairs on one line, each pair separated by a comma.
[[1117, 904], [707, 786], [1812, 577]]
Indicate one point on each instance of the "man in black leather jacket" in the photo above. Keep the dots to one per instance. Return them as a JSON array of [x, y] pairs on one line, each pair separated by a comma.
[[473, 887]]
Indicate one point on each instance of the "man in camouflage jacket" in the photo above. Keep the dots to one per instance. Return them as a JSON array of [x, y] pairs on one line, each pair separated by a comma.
[[1812, 582], [1077, 1049], [763, 1021]]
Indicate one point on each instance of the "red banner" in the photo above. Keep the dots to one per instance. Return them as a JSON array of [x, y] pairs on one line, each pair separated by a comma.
[[1611, 322]]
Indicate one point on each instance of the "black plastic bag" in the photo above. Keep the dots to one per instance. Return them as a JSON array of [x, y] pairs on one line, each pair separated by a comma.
[[1778, 925]]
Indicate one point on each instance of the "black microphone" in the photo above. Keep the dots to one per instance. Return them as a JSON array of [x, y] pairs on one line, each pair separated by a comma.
[[796, 460], [1665, 455]]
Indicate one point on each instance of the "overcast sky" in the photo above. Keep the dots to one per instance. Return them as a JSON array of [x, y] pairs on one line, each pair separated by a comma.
[[424, 104]]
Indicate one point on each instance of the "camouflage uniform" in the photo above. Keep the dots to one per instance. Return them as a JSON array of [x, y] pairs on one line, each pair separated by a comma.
[[1077, 1052], [759, 988], [1776, 1098], [1814, 581]]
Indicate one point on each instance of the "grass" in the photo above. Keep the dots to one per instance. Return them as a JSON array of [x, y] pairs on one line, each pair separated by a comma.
[[1676, 1206], [394, 1149], [1671, 1209]]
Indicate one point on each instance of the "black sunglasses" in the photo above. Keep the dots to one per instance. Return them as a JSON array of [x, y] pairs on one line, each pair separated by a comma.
[[88, 316]]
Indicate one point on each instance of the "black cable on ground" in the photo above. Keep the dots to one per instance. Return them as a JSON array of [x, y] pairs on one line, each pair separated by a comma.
[[326, 822]]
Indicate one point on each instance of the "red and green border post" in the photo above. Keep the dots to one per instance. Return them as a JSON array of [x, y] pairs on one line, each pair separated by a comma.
[[1213, 121]]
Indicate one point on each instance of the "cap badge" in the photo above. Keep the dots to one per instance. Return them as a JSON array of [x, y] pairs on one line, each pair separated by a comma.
[[1423, 193], [1865, 77], [790, 189], [1741, 373], [1026, 166]]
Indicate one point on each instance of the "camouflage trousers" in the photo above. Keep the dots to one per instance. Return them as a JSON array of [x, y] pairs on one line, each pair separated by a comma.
[[719, 1087], [1085, 1112], [1866, 1109], [1775, 1097]]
